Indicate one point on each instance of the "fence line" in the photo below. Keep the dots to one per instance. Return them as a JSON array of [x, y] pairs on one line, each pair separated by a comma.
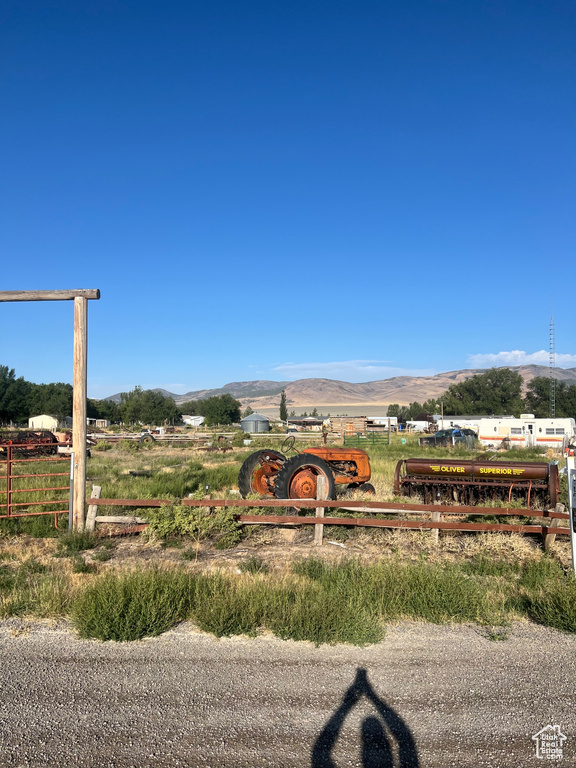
[[377, 507], [548, 532]]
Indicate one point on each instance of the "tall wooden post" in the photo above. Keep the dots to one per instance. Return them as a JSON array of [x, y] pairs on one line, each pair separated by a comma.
[[79, 409], [80, 297]]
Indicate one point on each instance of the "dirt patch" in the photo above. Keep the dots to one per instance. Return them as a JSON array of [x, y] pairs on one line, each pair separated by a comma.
[[277, 547]]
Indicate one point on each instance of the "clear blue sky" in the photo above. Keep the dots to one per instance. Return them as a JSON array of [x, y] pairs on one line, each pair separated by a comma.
[[266, 190]]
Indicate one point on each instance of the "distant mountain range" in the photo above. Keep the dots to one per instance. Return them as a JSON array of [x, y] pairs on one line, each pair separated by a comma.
[[329, 393]]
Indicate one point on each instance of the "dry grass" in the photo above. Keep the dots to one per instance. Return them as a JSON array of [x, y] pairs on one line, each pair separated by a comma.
[[36, 583]]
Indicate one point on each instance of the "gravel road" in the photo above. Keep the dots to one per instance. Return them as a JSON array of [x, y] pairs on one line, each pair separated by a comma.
[[429, 696]]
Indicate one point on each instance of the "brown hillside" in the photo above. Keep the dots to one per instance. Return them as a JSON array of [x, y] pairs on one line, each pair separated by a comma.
[[335, 395]]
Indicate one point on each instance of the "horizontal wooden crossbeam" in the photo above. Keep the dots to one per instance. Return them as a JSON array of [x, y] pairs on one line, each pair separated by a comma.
[[83, 293]]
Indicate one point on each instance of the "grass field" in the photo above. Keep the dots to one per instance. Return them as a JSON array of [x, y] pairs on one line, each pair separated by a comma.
[[126, 589]]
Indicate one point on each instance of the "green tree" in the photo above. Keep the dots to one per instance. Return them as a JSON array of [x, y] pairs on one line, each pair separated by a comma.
[[54, 399], [14, 392], [146, 406], [247, 412], [103, 409], [403, 412], [566, 400], [283, 406], [414, 411], [190, 408], [431, 407], [498, 391], [537, 399], [220, 409]]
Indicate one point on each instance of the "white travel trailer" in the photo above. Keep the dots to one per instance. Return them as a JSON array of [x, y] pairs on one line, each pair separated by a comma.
[[527, 432]]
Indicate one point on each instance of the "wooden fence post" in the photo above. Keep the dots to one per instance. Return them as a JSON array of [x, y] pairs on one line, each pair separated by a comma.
[[321, 495], [550, 538], [435, 519], [79, 410], [93, 509]]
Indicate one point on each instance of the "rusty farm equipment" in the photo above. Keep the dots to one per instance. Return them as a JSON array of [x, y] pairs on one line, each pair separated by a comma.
[[35, 442], [271, 474], [472, 482]]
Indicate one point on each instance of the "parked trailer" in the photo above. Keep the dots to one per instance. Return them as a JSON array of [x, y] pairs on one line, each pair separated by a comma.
[[527, 432], [471, 482]]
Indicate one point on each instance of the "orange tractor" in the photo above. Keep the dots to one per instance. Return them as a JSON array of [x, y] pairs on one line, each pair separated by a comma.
[[271, 474]]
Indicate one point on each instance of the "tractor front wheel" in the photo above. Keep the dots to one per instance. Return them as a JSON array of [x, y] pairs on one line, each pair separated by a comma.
[[298, 478], [253, 477]]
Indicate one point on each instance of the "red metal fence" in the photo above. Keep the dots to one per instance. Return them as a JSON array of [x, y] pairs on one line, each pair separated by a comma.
[[436, 511], [31, 480]]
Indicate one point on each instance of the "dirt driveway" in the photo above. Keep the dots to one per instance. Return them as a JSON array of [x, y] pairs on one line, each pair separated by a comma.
[[425, 696]]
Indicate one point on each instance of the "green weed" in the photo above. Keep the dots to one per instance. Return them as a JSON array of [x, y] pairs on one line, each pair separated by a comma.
[[253, 564], [102, 445], [132, 605], [198, 523], [37, 526], [555, 606], [102, 556], [72, 542], [79, 565]]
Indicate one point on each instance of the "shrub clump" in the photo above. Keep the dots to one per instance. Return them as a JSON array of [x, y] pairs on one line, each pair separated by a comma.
[[102, 445], [132, 605], [198, 523], [555, 606], [73, 542]]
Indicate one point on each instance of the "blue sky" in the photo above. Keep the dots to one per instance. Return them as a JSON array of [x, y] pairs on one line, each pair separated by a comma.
[[267, 190]]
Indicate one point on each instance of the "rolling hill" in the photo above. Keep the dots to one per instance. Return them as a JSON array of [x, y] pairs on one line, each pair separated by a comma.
[[328, 395]]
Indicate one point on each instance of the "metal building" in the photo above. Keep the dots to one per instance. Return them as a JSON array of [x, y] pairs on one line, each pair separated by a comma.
[[255, 423], [44, 421]]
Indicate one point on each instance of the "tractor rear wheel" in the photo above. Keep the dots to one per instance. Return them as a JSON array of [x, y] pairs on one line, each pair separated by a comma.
[[252, 475], [298, 478], [354, 488]]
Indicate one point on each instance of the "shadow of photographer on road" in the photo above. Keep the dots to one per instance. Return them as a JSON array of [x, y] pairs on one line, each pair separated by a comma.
[[386, 740]]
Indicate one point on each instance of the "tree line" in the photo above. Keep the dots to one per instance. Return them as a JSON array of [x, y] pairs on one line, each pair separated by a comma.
[[21, 399], [496, 392]]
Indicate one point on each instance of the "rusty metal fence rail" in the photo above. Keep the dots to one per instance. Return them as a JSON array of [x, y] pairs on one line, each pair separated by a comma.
[[31, 481], [433, 522]]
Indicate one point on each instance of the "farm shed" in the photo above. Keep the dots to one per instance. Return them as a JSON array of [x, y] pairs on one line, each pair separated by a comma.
[[193, 421], [255, 423], [307, 423], [98, 423], [380, 423], [44, 421], [349, 425]]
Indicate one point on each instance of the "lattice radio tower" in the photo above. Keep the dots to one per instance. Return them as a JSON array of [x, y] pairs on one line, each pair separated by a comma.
[[551, 366]]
